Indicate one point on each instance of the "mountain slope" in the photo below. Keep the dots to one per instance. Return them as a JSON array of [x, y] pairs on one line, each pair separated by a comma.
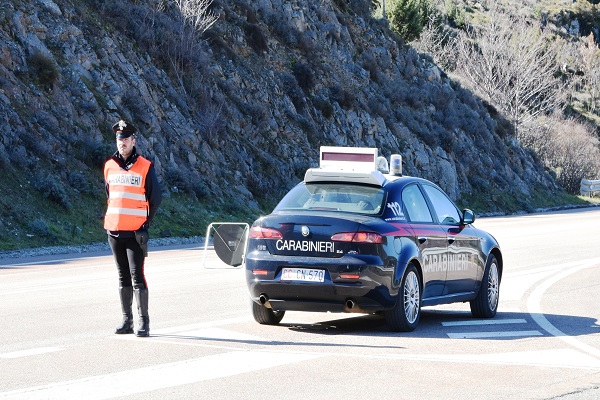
[[233, 121]]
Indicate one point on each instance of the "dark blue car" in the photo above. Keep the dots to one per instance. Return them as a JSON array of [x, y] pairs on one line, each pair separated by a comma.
[[351, 238]]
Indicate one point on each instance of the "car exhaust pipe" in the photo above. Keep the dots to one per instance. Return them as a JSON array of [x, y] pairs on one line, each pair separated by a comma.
[[350, 304], [264, 300]]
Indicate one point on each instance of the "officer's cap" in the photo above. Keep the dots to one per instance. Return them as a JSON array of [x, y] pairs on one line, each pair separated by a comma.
[[124, 129]]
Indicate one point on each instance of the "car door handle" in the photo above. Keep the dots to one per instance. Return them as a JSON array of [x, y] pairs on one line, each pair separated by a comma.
[[422, 239]]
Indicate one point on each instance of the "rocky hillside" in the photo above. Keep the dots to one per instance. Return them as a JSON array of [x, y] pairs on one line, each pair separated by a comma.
[[230, 121]]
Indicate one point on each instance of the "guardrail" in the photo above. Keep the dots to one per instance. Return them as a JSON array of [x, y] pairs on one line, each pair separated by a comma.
[[589, 188]]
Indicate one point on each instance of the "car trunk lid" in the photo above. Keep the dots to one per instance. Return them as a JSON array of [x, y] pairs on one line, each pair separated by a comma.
[[310, 236]]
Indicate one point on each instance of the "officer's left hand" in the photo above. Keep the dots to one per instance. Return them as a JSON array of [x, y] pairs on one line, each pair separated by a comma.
[[142, 236]]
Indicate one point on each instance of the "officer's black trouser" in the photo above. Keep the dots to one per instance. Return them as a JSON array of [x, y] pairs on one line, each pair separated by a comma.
[[129, 258]]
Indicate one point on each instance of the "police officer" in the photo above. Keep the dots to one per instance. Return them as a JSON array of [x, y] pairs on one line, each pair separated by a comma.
[[133, 195]]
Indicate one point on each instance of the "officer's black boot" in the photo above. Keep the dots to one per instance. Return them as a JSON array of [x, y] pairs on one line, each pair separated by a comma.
[[141, 297], [126, 296]]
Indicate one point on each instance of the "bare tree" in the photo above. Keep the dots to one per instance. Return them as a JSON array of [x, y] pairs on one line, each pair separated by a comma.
[[438, 43], [568, 147], [195, 18], [575, 155], [512, 64]]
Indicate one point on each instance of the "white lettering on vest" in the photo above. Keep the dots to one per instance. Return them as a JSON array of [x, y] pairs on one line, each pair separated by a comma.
[[125, 180]]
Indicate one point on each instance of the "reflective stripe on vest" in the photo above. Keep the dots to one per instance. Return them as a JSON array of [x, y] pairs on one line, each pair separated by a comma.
[[127, 204]]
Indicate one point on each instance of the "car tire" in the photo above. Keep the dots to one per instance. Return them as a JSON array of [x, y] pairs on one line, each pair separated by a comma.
[[485, 304], [266, 316], [404, 317]]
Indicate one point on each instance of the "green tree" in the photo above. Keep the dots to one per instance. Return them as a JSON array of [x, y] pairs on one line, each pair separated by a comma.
[[408, 17]]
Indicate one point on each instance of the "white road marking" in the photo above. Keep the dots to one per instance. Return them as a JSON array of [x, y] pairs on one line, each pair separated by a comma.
[[30, 352], [535, 310], [489, 335], [159, 376], [560, 358], [478, 322], [486, 334], [516, 284]]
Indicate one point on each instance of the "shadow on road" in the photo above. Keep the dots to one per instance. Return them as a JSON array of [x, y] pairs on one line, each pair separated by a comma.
[[441, 323], [438, 324]]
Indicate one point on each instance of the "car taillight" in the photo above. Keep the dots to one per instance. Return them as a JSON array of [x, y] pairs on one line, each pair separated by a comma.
[[257, 232], [358, 237]]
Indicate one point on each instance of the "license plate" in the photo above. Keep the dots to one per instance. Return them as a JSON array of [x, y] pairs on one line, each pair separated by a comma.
[[303, 274]]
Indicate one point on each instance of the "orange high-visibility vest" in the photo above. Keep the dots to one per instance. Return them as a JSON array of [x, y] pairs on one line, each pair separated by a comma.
[[127, 204]]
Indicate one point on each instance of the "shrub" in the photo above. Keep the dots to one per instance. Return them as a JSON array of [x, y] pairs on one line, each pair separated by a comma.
[[79, 182], [429, 138], [53, 190], [449, 119], [19, 157], [287, 33], [304, 76], [447, 140], [379, 105], [4, 157], [441, 96], [44, 69], [324, 106], [343, 97], [258, 112], [220, 46], [258, 187], [211, 121], [397, 91], [250, 14], [342, 4], [95, 154], [370, 64], [417, 98], [36, 144], [292, 89], [256, 38], [39, 227], [182, 179], [132, 101], [362, 7]]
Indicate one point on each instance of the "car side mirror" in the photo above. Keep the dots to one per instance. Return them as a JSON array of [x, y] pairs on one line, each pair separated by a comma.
[[468, 217]]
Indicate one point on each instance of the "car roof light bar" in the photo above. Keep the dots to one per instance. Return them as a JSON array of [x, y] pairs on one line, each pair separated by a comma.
[[348, 158], [346, 164]]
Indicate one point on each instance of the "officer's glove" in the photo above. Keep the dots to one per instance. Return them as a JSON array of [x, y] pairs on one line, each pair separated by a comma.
[[142, 236]]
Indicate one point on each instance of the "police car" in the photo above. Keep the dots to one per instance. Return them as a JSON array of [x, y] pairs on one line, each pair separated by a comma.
[[356, 236]]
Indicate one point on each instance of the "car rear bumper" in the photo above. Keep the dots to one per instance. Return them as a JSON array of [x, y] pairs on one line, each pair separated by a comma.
[[371, 291]]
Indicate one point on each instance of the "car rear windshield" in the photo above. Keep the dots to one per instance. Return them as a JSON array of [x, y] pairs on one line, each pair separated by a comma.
[[342, 197]]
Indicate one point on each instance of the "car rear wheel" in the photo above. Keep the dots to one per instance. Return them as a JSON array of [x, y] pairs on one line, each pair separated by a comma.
[[266, 316], [485, 304], [404, 317]]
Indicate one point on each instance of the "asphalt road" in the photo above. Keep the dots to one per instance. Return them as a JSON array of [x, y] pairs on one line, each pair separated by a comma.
[[57, 316]]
